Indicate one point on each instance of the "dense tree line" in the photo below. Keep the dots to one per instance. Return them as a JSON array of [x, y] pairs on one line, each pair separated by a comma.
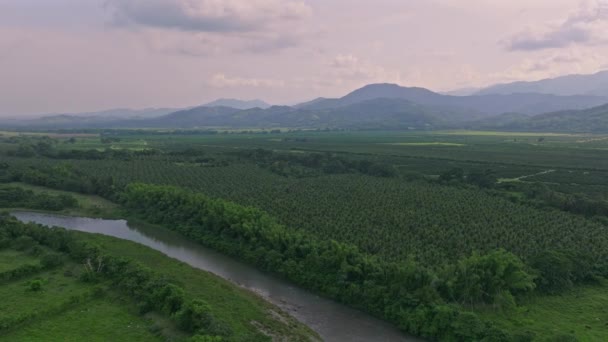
[[63, 177], [17, 197], [300, 164], [47, 147], [540, 195], [456, 176], [151, 291], [416, 298], [386, 217], [535, 194]]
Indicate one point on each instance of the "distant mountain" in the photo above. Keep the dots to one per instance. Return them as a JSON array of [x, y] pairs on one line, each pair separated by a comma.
[[113, 114], [103, 118], [595, 84], [238, 104], [310, 103], [376, 106], [461, 92], [88, 119], [187, 118], [480, 104], [592, 120], [377, 113], [498, 122], [386, 113]]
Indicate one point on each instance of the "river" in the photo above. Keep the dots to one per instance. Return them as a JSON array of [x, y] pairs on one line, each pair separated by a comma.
[[331, 320]]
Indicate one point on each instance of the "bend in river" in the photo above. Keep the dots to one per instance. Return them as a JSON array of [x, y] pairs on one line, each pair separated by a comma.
[[331, 320]]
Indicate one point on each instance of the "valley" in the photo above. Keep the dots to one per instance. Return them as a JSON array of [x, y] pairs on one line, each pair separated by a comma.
[[421, 202]]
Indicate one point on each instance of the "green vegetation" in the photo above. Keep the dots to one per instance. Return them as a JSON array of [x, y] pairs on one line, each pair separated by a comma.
[[80, 204], [585, 120], [12, 259], [17, 197], [100, 321], [426, 144], [44, 298], [67, 280], [231, 303], [340, 270], [580, 313], [500, 232]]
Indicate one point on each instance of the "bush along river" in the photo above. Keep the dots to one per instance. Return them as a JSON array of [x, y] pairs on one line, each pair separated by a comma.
[[331, 320]]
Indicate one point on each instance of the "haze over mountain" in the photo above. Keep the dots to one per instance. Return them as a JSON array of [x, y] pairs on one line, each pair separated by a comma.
[[375, 106], [121, 113], [377, 113], [482, 104], [86, 119], [238, 104], [461, 91], [110, 114], [97, 118], [594, 84], [591, 120]]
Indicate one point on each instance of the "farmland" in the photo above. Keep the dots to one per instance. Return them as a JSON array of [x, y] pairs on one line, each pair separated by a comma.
[[433, 198]]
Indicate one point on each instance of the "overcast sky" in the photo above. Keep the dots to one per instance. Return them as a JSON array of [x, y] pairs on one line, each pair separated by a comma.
[[85, 55]]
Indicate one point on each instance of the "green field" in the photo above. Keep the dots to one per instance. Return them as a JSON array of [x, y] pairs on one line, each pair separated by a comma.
[[100, 321], [432, 198], [10, 259], [426, 144], [63, 307], [581, 313], [233, 304]]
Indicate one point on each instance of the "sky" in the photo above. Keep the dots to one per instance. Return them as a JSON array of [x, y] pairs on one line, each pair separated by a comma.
[[60, 56]]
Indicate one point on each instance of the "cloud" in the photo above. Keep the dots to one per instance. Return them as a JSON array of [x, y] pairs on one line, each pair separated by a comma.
[[347, 67], [11, 40], [207, 15], [220, 80], [588, 26], [343, 72], [571, 61], [213, 27]]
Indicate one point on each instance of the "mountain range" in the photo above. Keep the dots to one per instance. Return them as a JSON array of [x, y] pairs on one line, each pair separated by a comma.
[[238, 104], [112, 116], [492, 104], [595, 84], [591, 120], [379, 106]]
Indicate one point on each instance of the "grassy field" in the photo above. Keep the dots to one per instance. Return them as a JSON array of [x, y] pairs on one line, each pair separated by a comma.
[[243, 309], [64, 309], [100, 321], [11, 259], [425, 144], [582, 312]]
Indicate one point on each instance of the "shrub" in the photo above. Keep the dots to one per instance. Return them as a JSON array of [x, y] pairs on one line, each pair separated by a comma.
[[24, 242], [35, 285], [51, 260]]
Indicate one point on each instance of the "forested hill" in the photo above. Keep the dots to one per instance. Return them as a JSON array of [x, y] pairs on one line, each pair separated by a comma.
[[595, 84], [593, 120], [239, 104], [376, 113], [375, 106], [525, 103]]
